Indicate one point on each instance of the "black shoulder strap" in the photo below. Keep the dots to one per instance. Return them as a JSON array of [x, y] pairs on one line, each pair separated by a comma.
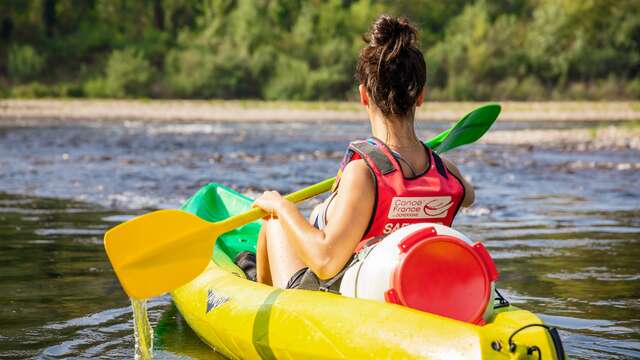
[[439, 165], [379, 159]]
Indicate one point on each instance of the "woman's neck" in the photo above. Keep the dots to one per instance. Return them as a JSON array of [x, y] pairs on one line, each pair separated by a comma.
[[396, 133]]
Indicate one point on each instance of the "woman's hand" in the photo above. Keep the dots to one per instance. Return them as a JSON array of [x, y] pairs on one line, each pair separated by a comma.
[[270, 201]]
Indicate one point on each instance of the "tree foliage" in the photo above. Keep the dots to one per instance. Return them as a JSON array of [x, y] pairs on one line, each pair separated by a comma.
[[307, 50]]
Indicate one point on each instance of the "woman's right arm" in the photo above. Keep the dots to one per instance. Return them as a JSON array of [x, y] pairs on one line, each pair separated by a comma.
[[326, 251], [348, 214]]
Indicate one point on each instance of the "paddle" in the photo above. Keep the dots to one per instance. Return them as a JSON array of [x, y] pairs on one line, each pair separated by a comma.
[[162, 250], [467, 130]]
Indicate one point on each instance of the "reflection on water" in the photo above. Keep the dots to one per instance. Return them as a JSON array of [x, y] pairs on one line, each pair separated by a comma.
[[565, 235]]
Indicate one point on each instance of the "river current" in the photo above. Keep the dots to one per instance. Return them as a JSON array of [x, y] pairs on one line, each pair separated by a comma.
[[563, 224]]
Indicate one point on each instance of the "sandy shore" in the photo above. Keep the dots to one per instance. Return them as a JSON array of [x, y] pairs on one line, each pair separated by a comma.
[[619, 131], [579, 139], [194, 110]]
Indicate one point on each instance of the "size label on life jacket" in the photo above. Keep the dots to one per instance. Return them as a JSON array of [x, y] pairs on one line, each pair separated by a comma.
[[431, 207]]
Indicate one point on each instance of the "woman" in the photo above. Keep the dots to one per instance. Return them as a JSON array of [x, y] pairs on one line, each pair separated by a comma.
[[383, 184]]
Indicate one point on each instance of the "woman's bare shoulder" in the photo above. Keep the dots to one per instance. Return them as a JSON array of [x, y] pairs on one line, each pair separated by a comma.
[[356, 183], [356, 172]]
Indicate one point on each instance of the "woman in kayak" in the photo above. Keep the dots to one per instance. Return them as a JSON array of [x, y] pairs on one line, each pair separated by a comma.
[[387, 181]]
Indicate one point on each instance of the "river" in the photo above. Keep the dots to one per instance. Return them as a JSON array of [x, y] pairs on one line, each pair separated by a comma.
[[562, 223]]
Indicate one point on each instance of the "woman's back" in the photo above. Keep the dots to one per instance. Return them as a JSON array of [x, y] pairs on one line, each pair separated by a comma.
[[392, 74]]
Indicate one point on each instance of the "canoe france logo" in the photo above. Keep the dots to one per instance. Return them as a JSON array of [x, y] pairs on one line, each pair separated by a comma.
[[431, 207], [214, 300]]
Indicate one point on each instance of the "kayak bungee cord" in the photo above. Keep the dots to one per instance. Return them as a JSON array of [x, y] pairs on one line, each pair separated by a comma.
[[502, 301], [553, 332]]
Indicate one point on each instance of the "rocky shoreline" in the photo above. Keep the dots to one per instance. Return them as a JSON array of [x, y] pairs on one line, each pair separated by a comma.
[[576, 139], [200, 110], [598, 125]]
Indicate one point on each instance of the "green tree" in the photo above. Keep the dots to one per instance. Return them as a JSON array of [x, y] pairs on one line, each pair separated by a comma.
[[24, 63], [307, 50], [128, 73]]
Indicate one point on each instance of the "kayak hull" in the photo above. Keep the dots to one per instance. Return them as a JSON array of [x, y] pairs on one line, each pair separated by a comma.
[[246, 320]]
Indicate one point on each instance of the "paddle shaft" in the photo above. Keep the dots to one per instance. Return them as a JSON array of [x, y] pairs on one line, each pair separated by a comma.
[[257, 213]]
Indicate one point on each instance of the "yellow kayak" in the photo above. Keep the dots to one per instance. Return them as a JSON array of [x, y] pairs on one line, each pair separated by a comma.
[[243, 319]]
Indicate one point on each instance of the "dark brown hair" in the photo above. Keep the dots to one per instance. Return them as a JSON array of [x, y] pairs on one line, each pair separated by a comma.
[[391, 66]]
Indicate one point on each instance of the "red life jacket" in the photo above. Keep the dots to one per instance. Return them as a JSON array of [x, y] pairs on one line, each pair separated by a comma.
[[434, 196]]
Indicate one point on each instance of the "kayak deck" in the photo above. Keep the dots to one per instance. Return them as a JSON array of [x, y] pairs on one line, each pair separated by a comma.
[[247, 320]]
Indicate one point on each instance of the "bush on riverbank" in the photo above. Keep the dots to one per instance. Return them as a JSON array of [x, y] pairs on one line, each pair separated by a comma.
[[24, 63], [306, 50], [128, 73]]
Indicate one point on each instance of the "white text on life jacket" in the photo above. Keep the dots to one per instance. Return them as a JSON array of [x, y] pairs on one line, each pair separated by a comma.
[[431, 207]]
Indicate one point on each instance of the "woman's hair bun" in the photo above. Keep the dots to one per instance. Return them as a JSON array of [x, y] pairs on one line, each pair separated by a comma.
[[394, 33], [391, 65]]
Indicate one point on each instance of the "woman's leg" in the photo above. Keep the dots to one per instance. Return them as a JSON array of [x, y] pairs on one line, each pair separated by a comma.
[[282, 258], [262, 257]]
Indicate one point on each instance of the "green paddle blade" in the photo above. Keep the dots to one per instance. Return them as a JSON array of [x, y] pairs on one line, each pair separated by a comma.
[[467, 130]]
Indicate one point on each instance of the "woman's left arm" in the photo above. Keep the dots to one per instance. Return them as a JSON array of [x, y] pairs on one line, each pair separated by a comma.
[[469, 192]]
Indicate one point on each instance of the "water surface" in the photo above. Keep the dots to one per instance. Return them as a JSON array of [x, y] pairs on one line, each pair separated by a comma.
[[563, 226]]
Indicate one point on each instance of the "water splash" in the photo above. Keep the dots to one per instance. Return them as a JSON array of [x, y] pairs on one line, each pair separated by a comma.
[[142, 330]]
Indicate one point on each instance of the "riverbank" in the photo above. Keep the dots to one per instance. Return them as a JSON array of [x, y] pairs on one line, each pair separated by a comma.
[[238, 110], [613, 137]]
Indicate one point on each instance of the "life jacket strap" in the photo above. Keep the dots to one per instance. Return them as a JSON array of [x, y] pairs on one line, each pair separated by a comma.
[[372, 154], [327, 285], [442, 170]]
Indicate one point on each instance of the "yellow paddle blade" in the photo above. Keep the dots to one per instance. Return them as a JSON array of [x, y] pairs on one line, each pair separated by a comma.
[[159, 251]]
